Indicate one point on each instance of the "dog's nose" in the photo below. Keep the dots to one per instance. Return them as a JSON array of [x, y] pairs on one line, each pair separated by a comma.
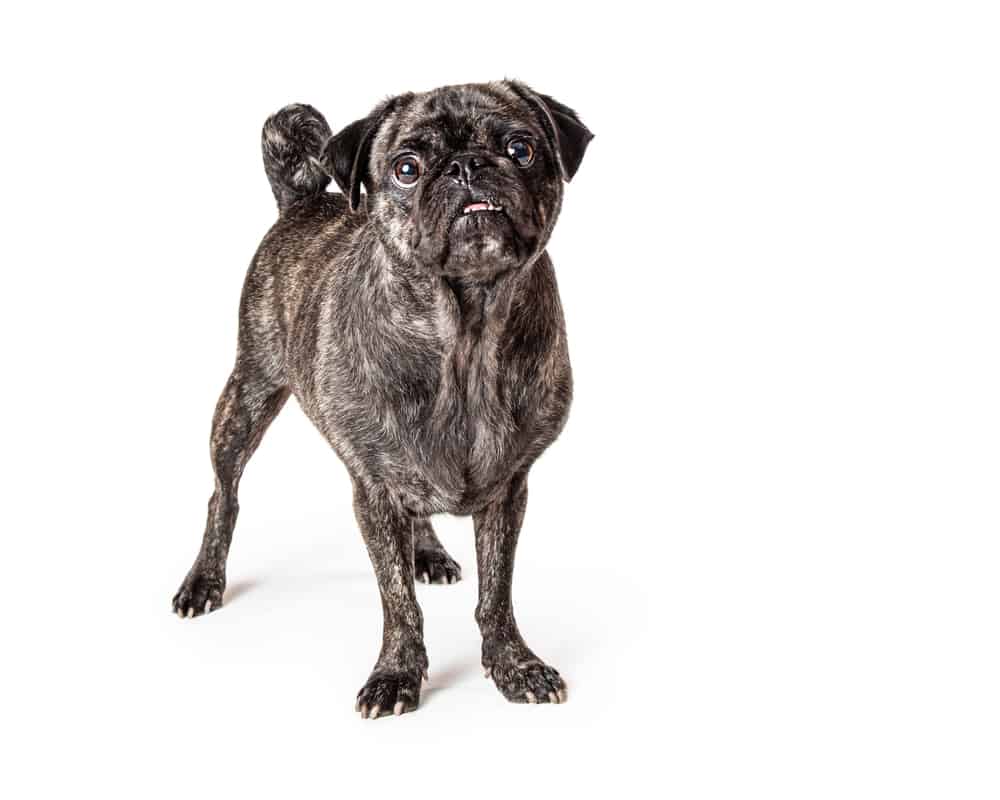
[[463, 168]]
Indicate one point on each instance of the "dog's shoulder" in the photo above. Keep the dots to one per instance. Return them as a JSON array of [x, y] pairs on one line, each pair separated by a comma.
[[535, 355], [536, 330]]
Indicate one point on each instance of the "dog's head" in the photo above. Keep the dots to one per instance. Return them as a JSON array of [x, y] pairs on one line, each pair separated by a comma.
[[464, 180]]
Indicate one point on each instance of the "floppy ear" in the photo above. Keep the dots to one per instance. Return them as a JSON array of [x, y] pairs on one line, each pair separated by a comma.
[[569, 136], [346, 155]]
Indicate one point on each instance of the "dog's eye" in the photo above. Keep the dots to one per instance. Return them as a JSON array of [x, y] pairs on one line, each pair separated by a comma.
[[521, 151], [406, 170]]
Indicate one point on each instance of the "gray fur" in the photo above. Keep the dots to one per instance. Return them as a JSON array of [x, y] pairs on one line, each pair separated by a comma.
[[426, 344], [291, 140]]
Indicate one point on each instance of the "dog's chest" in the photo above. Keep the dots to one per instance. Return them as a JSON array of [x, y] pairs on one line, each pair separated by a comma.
[[438, 400], [467, 435]]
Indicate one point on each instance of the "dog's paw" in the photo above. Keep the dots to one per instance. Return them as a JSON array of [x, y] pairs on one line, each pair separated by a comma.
[[435, 566], [530, 681], [389, 693], [199, 594]]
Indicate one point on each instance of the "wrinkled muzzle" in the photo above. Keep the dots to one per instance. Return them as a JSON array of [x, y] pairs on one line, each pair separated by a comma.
[[477, 227]]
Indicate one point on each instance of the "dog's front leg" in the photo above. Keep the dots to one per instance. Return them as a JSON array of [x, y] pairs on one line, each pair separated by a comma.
[[394, 685], [519, 674]]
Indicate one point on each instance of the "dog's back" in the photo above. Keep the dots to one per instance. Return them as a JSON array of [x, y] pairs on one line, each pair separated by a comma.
[[285, 271]]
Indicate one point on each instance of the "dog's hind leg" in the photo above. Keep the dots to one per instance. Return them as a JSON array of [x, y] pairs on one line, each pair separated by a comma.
[[247, 405], [431, 562]]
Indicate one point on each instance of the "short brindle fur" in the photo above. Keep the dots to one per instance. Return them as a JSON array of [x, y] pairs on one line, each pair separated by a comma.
[[419, 327]]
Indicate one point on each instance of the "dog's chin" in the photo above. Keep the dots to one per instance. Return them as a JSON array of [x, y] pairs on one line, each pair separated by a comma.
[[482, 245]]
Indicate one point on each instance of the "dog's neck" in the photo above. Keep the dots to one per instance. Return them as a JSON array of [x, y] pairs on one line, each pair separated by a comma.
[[466, 307], [475, 305], [470, 316]]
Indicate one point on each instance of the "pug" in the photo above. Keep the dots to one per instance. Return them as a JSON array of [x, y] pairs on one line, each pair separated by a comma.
[[418, 324]]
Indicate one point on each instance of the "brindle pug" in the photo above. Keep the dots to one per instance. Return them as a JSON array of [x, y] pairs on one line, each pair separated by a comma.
[[420, 329]]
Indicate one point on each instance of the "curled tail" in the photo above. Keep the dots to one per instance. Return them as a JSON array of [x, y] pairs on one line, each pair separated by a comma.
[[293, 142]]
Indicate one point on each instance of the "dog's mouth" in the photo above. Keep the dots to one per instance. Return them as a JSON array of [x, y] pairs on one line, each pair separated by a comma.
[[481, 206], [481, 214]]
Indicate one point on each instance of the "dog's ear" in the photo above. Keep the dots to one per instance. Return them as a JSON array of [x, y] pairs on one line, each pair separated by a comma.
[[347, 154], [568, 135], [345, 158]]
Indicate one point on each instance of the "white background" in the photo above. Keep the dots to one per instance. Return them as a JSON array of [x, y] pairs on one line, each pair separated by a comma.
[[764, 552]]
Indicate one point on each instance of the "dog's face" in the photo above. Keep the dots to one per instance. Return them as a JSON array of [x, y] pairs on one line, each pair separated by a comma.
[[463, 180]]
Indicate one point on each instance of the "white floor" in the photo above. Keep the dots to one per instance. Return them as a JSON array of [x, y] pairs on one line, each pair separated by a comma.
[[701, 654], [257, 698]]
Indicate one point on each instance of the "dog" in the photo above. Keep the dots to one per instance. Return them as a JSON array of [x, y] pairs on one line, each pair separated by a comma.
[[419, 326]]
